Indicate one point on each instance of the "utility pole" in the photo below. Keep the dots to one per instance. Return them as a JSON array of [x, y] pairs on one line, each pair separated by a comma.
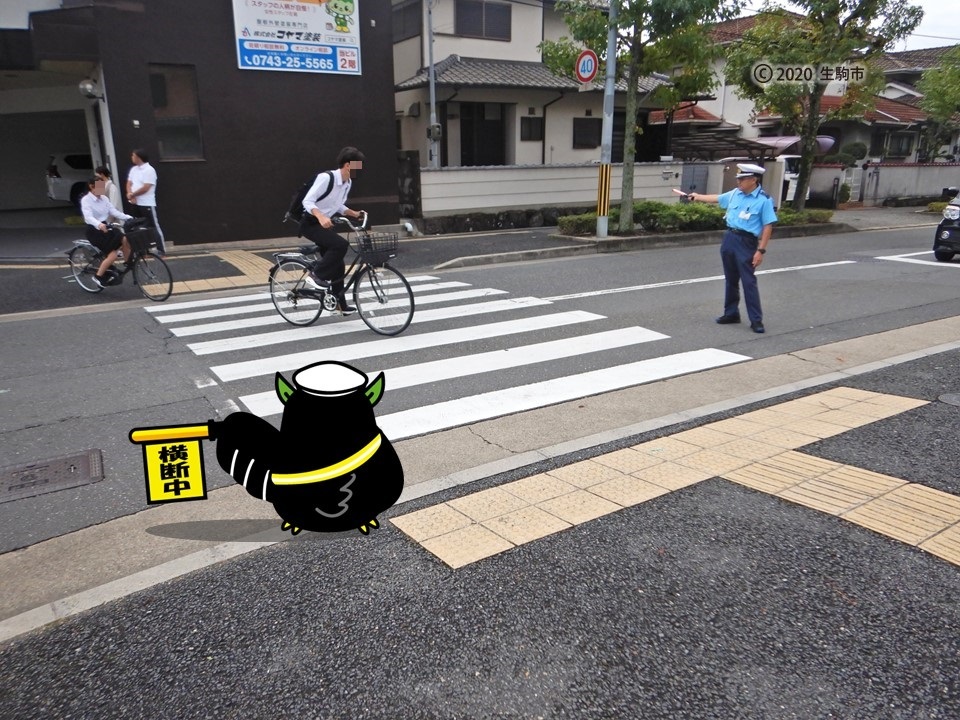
[[433, 130], [606, 131]]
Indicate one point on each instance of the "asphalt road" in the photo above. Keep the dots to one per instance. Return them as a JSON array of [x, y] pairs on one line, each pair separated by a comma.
[[714, 601]]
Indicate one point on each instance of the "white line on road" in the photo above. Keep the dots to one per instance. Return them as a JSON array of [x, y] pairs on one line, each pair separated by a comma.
[[267, 403], [402, 343], [691, 281], [484, 406], [908, 258]]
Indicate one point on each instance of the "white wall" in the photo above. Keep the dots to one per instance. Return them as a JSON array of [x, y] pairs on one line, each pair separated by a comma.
[[461, 190], [525, 28], [908, 180]]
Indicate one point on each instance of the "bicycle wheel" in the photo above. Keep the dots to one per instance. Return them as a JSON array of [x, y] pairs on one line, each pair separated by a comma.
[[287, 292], [83, 265], [153, 277], [384, 299]]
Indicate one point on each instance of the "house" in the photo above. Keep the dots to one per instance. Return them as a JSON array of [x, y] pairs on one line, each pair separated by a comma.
[[497, 104], [237, 103], [891, 131]]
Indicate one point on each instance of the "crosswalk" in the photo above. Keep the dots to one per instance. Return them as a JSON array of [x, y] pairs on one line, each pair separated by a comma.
[[458, 332]]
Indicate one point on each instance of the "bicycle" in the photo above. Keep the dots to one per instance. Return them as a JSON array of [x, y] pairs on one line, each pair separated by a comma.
[[150, 273], [381, 294]]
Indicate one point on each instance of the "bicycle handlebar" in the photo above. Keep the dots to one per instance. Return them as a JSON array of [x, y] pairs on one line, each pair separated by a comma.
[[350, 224]]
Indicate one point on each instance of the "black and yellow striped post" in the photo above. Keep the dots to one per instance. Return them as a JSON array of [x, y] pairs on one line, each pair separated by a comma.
[[603, 197]]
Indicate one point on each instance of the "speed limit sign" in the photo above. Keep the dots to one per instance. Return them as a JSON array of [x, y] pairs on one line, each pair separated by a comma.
[[586, 67]]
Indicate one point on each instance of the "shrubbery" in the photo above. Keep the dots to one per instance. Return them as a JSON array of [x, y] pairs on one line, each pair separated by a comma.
[[936, 207], [651, 216]]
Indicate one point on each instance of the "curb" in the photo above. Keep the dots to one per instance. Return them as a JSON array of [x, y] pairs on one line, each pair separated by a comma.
[[590, 246]]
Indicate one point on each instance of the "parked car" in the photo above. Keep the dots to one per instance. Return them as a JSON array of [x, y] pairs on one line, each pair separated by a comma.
[[946, 242], [67, 175]]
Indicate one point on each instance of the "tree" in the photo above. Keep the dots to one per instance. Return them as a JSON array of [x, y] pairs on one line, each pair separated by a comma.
[[941, 100], [653, 36], [825, 34]]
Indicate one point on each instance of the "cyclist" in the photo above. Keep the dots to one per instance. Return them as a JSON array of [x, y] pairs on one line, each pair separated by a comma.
[[325, 198], [97, 211]]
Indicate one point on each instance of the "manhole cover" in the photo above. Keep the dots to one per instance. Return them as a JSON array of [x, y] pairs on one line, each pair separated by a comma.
[[950, 398], [43, 476]]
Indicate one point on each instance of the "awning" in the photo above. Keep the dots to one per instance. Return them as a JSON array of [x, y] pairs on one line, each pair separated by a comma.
[[784, 142]]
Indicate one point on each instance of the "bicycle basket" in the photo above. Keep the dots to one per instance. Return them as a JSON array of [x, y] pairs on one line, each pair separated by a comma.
[[142, 238], [376, 248]]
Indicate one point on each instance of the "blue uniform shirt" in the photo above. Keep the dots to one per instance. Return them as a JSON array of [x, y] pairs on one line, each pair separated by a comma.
[[748, 211]]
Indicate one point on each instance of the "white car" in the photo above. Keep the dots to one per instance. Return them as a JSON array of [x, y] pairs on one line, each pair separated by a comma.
[[67, 176]]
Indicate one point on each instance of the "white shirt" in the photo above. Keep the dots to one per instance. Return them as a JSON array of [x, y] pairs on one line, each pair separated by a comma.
[[333, 203], [139, 176], [98, 210], [113, 193]]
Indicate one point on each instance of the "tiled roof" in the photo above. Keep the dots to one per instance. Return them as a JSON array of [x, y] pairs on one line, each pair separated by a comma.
[[730, 30], [687, 114], [886, 111], [913, 60], [463, 72]]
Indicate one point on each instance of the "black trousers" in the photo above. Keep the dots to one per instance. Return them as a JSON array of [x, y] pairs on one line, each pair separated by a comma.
[[333, 248]]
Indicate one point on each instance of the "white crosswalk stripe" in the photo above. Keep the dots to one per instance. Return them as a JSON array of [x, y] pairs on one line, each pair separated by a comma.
[[251, 342]]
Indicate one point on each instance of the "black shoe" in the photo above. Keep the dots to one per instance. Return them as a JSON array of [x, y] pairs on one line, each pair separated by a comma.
[[345, 309], [757, 327], [728, 319], [100, 281]]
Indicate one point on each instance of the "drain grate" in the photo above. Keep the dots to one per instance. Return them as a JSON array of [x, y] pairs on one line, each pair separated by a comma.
[[43, 476], [950, 398]]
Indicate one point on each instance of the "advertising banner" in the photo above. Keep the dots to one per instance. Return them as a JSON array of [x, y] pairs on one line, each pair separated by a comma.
[[317, 36]]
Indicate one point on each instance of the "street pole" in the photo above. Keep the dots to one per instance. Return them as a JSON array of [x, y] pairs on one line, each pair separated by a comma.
[[432, 134], [606, 131]]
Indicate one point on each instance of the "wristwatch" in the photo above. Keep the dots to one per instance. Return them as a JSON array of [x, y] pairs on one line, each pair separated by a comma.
[[762, 251]]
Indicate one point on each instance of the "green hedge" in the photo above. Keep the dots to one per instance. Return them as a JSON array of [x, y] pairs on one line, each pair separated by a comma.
[[936, 207], [651, 216]]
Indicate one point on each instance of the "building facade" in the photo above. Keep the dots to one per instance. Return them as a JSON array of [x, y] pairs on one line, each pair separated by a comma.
[[230, 145]]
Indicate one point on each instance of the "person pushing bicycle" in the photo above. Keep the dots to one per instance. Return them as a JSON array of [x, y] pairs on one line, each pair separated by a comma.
[[326, 198], [97, 211]]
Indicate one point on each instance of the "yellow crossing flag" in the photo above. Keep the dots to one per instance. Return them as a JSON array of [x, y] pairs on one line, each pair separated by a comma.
[[173, 462]]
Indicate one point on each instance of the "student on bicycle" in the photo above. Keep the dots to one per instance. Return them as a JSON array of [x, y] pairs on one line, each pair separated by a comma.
[[97, 211], [320, 204]]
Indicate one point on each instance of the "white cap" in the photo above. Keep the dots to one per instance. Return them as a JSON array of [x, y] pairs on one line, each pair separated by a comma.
[[748, 169]]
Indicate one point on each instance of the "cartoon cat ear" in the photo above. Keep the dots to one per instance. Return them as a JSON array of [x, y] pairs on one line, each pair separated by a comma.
[[374, 390], [283, 388]]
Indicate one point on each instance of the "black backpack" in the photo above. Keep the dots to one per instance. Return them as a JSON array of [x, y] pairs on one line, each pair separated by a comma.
[[295, 211]]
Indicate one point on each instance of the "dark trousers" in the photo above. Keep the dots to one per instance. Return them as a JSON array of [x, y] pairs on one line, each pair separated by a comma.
[[736, 252], [333, 247], [150, 213]]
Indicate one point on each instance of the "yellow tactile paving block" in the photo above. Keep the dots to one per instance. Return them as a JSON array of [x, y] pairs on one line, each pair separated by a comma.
[[538, 488], [526, 525], [672, 476], [467, 545], [757, 449], [431, 522], [248, 263], [666, 448], [630, 460], [579, 506], [585, 473], [628, 491], [945, 544], [911, 513], [713, 462], [704, 437], [487, 504]]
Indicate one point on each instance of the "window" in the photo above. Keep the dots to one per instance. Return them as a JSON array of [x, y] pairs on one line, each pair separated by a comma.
[[586, 133], [176, 113], [482, 19], [531, 128], [901, 144], [407, 20]]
